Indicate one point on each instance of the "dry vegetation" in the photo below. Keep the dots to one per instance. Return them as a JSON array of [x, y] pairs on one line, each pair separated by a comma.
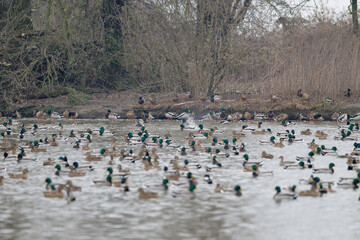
[[202, 46]]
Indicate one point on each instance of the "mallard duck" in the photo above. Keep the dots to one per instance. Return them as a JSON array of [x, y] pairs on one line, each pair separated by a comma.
[[348, 93], [111, 116], [170, 115], [325, 170], [281, 117], [141, 101], [107, 182], [70, 115], [247, 116], [152, 100], [15, 115], [321, 135], [89, 157], [335, 116], [300, 165], [22, 159], [303, 95], [189, 193], [280, 196], [130, 115], [279, 144], [283, 163], [121, 170], [69, 185], [355, 117], [352, 185], [23, 175], [266, 155], [54, 193], [147, 195], [256, 172], [38, 114], [306, 132], [215, 98]]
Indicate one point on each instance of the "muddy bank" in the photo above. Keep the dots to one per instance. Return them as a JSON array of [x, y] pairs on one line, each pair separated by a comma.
[[95, 105]]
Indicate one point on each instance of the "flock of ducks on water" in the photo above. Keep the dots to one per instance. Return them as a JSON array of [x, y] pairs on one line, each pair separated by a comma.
[[21, 145]]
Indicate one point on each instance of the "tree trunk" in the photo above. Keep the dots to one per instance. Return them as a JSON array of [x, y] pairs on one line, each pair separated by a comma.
[[354, 16]]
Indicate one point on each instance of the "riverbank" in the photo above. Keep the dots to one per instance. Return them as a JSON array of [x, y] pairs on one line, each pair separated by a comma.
[[95, 105]]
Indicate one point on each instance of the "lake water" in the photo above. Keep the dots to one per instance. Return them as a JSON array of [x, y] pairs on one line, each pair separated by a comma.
[[109, 212]]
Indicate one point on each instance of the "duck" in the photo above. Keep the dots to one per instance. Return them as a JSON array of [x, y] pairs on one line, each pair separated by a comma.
[[279, 144], [23, 175], [256, 172], [306, 132], [54, 193], [349, 185], [189, 193], [305, 96], [300, 165], [313, 192], [111, 116], [72, 187], [282, 196], [335, 116], [143, 195], [283, 163], [130, 115], [70, 115], [141, 101], [171, 175], [266, 155], [325, 170], [89, 157], [348, 93], [170, 115], [15, 115], [121, 170], [152, 100], [281, 117], [321, 135], [247, 116], [107, 182]]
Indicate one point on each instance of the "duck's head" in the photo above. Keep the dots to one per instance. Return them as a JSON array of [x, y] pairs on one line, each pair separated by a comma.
[[201, 126], [334, 149], [217, 151], [311, 154], [322, 147], [52, 188], [109, 170], [316, 179], [219, 165], [192, 187], [183, 149], [331, 165], [254, 167], [293, 188], [48, 180], [318, 150], [75, 164], [269, 130], [189, 175], [58, 167], [166, 169], [355, 182], [246, 157], [234, 140], [186, 162], [102, 151], [278, 189], [272, 139], [215, 140], [226, 142], [165, 182], [302, 164], [237, 188], [259, 124]]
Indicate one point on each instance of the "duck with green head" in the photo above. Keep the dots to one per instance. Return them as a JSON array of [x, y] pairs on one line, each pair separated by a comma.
[[325, 170], [283, 196]]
